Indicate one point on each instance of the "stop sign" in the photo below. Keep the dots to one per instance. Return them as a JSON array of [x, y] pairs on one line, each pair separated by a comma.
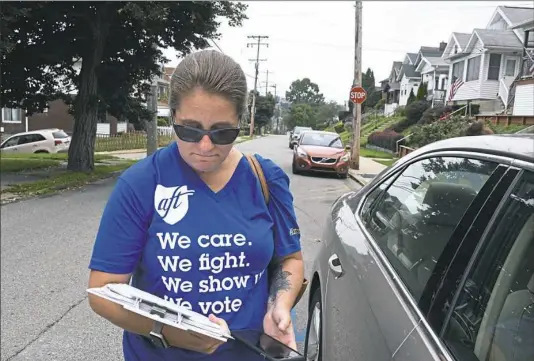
[[358, 95]]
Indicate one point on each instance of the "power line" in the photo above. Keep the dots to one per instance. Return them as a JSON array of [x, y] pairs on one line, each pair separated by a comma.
[[218, 47]]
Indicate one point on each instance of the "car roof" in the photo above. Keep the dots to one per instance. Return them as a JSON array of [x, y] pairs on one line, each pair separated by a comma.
[[322, 132], [518, 146]]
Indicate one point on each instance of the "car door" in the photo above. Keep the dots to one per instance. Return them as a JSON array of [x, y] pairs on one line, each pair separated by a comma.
[[11, 145], [485, 311], [30, 143], [386, 253]]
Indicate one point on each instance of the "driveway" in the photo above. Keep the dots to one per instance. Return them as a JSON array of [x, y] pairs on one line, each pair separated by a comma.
[[45, 249]]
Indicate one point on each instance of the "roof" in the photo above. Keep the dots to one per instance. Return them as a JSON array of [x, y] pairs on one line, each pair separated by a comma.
[[409, 71], [518, 146], [436, 61], [462, 39], [525, 25], [498, 38], [427, 51], [517, 15], [412, 57]]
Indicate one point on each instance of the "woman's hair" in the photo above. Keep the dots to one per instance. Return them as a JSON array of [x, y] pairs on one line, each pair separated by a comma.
[[213, 72]]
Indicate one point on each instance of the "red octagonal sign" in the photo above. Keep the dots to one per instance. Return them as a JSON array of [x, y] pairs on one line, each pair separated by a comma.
[[358, 95]]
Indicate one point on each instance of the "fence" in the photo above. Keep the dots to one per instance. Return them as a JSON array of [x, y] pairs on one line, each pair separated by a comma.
[[130, 140]]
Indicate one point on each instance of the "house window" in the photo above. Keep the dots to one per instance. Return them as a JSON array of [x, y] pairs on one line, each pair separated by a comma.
[[510, 67], [473, 68], [436, 83], [458, 70], [10, 115], [494, 66], [455, 49]]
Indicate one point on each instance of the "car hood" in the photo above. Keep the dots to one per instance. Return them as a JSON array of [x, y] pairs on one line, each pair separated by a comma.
[[318, 151]]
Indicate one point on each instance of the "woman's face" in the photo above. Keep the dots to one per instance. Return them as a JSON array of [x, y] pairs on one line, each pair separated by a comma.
[[205, 111]]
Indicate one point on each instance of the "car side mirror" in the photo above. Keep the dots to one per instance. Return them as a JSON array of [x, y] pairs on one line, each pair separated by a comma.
[[348, 147]]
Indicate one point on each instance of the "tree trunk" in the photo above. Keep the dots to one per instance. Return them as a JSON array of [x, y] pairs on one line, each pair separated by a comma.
[[82, 148]]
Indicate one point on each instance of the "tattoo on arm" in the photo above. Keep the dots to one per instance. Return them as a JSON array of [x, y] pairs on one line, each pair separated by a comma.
[[279, 282]]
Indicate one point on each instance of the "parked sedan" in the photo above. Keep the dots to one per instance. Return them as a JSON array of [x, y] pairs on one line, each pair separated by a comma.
[[38, 141], [432, 260], [295, 134], [318, 151]]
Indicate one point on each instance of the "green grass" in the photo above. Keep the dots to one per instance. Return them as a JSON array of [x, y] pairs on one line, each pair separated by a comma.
[[65, 179], [371, 153], [13, 162]]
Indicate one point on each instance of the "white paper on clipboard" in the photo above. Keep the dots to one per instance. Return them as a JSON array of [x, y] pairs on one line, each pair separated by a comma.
[[143, 303]]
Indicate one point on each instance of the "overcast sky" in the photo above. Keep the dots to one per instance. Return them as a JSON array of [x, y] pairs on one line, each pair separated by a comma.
[[315, 39]]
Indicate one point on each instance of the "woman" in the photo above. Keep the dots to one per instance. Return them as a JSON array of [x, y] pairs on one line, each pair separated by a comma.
[[190, 224]]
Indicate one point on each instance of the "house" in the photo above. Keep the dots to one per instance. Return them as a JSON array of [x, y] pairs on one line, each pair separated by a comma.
[[408, 78], [523, 103], [391, 89], [434, 72], [483, 69], [164, 91]]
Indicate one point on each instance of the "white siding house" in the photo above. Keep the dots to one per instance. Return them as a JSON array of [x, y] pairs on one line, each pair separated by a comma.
[[488, 63], [524, 85], [434, 72], [408, 78]]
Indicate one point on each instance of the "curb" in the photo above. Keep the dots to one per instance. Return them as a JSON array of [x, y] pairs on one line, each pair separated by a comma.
[[358, 179]]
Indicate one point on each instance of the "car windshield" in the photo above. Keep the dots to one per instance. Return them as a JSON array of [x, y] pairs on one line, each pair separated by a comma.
[[322, 140], [298, 130]]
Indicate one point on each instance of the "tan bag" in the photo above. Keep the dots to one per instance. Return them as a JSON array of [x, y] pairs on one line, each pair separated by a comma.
[[258, 171]]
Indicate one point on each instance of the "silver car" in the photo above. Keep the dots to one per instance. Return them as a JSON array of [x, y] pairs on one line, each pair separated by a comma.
[[433, 260], [294, 135]]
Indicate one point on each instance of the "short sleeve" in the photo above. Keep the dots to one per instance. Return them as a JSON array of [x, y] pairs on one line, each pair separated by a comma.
[[286, 228], [122, 232]]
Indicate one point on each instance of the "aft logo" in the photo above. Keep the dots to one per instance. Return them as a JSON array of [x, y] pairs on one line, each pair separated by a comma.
[[172, 203]]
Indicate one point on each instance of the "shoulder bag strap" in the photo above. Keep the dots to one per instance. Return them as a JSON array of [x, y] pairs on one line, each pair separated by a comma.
[[258, 171]]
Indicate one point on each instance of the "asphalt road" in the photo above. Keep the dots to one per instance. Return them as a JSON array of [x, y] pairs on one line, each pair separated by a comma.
[[45, 248]]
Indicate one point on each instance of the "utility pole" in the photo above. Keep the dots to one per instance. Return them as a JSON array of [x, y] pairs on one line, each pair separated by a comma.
[[357, 109], [266, 82], [277, 108], [257, 66], [152, 124]]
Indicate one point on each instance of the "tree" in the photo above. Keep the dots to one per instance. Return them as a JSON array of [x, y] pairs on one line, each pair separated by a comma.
[[301, 115], [422, 91], [117, 44], [411, 98], [326, 112], [264, 109], [369, 84], [304, 91]]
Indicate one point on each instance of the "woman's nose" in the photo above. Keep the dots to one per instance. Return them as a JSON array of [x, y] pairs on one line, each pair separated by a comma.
[[205, 144]]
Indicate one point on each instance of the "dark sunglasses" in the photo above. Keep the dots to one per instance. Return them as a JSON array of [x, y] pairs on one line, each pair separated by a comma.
[[223, 136]]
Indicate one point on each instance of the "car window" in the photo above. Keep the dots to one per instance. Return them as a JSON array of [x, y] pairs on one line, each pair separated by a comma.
[[60, 135], [413, 218], [493, 315], [321, 139], [35, 138], [11, 142]]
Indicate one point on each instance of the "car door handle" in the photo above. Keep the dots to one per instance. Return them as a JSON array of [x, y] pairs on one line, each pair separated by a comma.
[[335, 266]]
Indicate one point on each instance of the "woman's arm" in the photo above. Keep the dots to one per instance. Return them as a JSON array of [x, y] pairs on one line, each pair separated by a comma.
[[140, 325], [286, 280]]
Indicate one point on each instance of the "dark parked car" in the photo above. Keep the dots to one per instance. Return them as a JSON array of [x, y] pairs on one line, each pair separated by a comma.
[[432, 260], [294, 135]]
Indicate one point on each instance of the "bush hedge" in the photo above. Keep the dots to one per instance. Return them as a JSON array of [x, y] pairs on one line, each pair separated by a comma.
[[386, 139], [339, 127]]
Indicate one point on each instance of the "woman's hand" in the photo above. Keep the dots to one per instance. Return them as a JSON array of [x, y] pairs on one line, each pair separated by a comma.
[[197, 342], [277, 323]]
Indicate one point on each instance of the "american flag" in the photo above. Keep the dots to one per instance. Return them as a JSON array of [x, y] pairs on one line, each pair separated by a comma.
[[458, 82]]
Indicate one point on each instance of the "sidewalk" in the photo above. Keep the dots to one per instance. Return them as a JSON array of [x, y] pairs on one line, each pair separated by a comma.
[[368, 170]]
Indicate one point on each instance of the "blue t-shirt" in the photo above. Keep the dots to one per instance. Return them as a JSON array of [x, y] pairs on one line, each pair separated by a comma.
[[205, 250]]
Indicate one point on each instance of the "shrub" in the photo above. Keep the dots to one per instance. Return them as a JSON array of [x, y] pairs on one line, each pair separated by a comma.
[[432, 114], [386, 139], [415, 110], [400, 111], [339, 127], [321, 126], [348, 127], [443, 129]]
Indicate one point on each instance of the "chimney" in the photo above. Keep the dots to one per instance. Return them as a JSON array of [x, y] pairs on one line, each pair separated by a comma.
[[442, 46]]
